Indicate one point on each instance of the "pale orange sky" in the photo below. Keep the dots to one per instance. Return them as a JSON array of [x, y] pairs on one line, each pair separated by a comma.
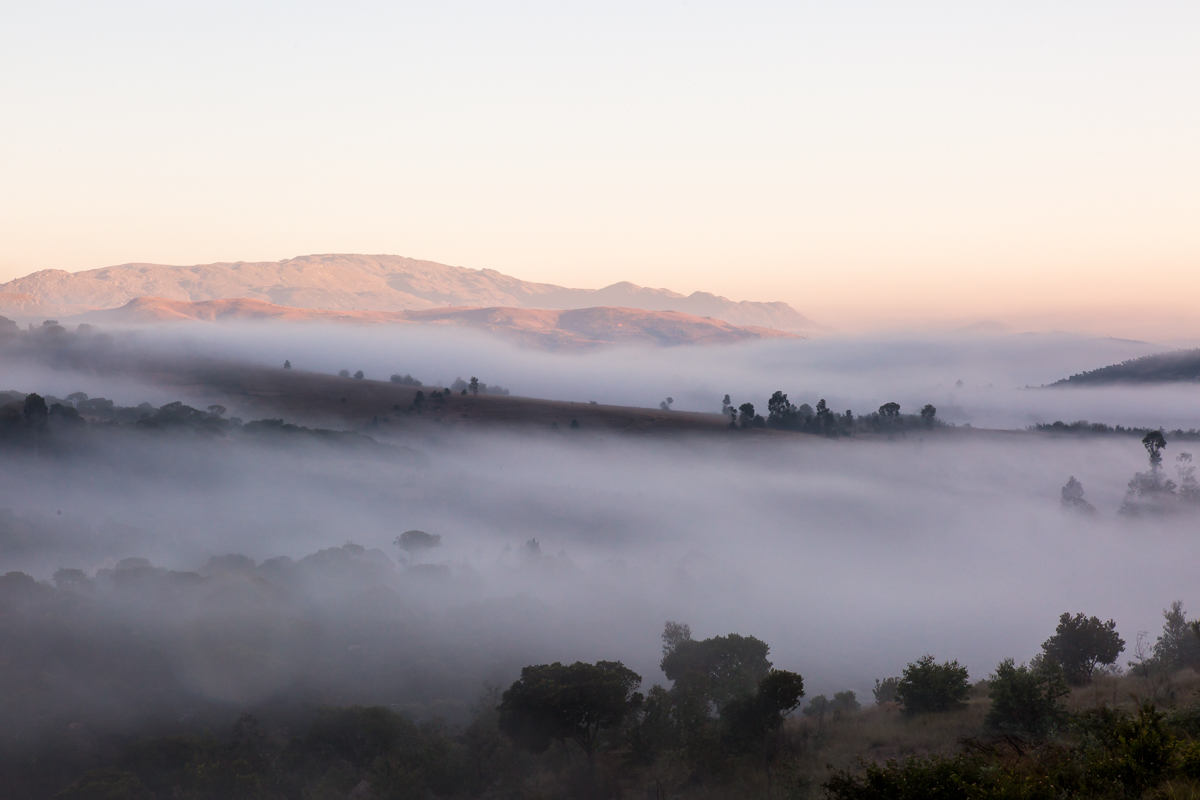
[[872, 165]]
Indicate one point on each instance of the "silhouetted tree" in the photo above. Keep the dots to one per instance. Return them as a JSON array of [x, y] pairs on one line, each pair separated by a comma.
[[889, 410], [885, 690], [1179, 645], [927, 686], [35, 410], [217, 410], [344, 373], [1072, 497], [417, 543], [1026, 701], [928, 415], [818, 708], [1154, 442], [418, 400], [575, 424], [845, 703], [1189, 489], [674, 634], [746, 418], [574, 702], [474, 385], [665, 405], [781, 413], [359, 375], [726, 406], [1080, 644], [719, 668], [750, 718], [824, 417], [287, 364]]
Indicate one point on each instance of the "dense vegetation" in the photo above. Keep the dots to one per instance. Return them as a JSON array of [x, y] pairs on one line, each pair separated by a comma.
[[1179, 365], [1065, 725], [782, 414]]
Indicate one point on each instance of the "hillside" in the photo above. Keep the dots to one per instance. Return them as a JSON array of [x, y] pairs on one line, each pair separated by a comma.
[[549, 329], [1180, 365], [341, 282]]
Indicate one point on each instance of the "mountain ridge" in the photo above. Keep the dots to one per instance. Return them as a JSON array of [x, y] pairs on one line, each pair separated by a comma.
[[353, 282], [552, 329]]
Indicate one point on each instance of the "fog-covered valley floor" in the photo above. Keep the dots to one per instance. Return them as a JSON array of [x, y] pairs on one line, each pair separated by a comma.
[[851, 556]]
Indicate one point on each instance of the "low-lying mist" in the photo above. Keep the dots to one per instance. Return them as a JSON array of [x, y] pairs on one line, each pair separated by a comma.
[[850, 557], [859, 373]]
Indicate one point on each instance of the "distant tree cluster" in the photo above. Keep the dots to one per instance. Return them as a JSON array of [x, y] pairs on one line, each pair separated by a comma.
[[782, 414], [1149, 492], [475, 386]]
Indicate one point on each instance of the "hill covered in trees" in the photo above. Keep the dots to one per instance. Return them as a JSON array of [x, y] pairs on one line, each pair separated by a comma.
[[1173, 367]]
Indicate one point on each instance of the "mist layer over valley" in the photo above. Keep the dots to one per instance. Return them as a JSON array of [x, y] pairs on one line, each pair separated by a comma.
[[192, 571]]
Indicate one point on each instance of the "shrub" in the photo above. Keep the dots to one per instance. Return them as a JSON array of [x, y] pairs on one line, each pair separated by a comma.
[[1026, 701], [885, 690], [928, 687], [1082, 643]]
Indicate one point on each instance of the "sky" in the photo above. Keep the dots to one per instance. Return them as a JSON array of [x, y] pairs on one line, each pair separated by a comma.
[[871, 164]]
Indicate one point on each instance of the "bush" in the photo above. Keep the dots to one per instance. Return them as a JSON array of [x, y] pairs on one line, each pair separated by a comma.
[[885, 690], [1026, 701], [1080, 644], [928, 687]]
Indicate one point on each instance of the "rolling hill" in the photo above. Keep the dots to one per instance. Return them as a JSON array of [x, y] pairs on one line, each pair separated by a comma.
[[341, 282], [1173, 367], [545, 328]]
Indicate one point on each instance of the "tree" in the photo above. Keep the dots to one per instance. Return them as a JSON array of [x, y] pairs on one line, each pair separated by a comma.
[[665, 405], [1080, 644], [824, 417], [1189, 489], [35, 410], [928, 415], [674, 634], [417, 543], [575, 424], [1178, 646], [726, 406], [817, 708], [358, 376], [889, 410], [287, 364], [885, 690], [217, 410], [418, 400], [781, 413], [747, 415], [1154, 442], [845, 703], [928, 687], [577, 702], [344, 373], [474, 385], [719, 668], [751, 718], [1026, 701], [1072, 497]]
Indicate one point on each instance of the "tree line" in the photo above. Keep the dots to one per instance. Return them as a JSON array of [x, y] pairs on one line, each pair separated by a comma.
[[782, 414]]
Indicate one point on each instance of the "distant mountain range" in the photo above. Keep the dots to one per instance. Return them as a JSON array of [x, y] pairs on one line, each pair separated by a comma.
[[1176, 366], [545, 328], [360, 283]]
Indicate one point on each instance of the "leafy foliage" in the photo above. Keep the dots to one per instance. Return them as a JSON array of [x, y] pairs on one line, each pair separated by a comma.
[[1080, 644], [575, 702], [1026, 701], [928, 687]]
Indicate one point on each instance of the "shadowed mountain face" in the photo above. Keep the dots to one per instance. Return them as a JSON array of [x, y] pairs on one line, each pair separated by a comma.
[[358, 282], [545, 328]]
